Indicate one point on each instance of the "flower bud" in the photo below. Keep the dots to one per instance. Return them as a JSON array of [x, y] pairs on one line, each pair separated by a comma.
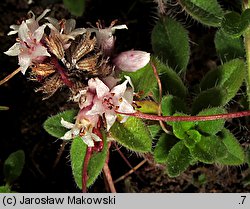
[[131, 61]]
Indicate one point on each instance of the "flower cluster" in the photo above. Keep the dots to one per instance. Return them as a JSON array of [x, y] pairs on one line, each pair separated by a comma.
[[84, 60]]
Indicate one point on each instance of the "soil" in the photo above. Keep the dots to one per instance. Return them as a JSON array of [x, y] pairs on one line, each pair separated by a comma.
[[21, 126]]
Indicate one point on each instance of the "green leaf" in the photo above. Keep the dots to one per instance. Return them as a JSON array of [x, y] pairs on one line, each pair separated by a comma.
[[227, 78], [13, 166], [170, 43], [96, 163], [53, 124], [170, 80], [163, 146], [209, 149], [212, 97], [235, 24], [144, 80], [172, 104], [209, 14], [235, 153], [178, 160], [5, 189], [76, 7], [154, 130], [146, 106], [211, 127], [132, 134], [180, 128], [228, 48], [193, 137]]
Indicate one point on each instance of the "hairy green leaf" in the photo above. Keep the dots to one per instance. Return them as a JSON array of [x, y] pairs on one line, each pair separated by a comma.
[[209, 149], [144, 80], [180, 128], [53, 124], [235, 24], [211, 127], [132, 134], [76, 7], [13, 166], [178, 159], [212, 97], [235, 153], [229, 76], [163, 146], [154, 130], [170, 43], [171, 104], [193, 136], [228, 48], [209, 14], [96, 163], [171, 81]]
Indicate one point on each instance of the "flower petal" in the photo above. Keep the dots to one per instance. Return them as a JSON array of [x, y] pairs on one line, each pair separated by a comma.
[[110, 118], [24, 62], [23, 32], [42, 15], [95, 137], [68, 135], [14, 50], [125, 107], [97, 108], [38, 34], [97, 85], [118, 27], [67, 124], [39, 52], [120, 89], [87, 139]]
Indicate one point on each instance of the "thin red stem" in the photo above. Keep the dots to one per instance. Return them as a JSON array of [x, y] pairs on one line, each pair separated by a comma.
[[107, 173], [85, 168], [188, 118]]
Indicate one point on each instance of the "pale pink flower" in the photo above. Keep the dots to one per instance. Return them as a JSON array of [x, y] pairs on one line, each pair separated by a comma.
[[29, 48], [131, 61], [105, 38], [83, 127], [106, 102]]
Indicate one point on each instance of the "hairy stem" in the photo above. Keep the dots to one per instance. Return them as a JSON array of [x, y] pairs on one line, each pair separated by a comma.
[[85, 169], [107, 174], [246, 5], [188, 118], [160, 98]]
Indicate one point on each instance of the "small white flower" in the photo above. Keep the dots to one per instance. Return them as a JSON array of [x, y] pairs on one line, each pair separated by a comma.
[[82, 129], [105, 38], [29, 48], [108, 101]]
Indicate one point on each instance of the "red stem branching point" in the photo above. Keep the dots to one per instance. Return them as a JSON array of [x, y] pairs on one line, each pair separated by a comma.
[[188, 118]]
